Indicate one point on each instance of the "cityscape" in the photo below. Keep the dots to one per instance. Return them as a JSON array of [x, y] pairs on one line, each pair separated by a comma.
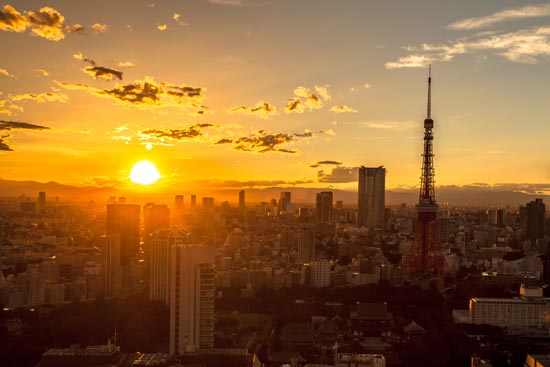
[[358, 189]]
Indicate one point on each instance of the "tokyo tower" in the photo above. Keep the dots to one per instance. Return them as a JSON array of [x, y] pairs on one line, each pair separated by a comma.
[[425, 259]]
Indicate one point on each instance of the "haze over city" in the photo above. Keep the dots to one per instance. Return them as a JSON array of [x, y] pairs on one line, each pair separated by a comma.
[[273, 93]]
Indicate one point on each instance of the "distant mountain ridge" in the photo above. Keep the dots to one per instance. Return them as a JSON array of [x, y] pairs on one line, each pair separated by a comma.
[[473, 195]]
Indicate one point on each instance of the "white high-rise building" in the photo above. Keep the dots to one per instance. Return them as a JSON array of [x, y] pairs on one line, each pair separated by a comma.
[[320, 273], [371, 194], [191, 298], [158, 262], [112, 270]]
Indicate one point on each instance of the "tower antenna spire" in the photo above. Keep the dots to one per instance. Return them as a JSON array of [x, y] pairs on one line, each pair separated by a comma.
[[429, 92]]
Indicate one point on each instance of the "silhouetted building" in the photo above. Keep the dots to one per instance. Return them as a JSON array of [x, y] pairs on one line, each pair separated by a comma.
[[123, 220], [324, 207], [112, 270], [533, 217], [371, 196], [41, 200], [208, 203], [193, 201], [178, 204], [191, 298], [306, 245], [242, 204], [155, 217]]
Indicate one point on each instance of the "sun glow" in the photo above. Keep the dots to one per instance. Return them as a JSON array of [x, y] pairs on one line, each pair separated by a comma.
[[144, 173]]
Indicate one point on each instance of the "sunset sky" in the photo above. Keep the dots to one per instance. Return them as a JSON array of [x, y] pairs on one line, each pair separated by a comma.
[[248, 93]]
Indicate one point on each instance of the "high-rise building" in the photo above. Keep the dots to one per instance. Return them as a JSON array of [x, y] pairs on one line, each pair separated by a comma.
[[208, 203], [191, 298], [306, 245], [371, 196], [324, 207], [320, 273], [41, 200], [112, 271], [242, 204], [533, 217], [284, 202], [155, 217], [160, 243], [193, 201], [178, 205], [123, 220]]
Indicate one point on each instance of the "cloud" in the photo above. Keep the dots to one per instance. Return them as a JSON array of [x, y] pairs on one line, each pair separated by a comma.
[[262, 109], [6, 73], [227, 2], [339, 175], [343, 109], [191, 132], [126, 64], [322, 163], [75, 28], [391, 125], [6, 107], [305, 98], [47, 22], [99, 28], [177, 17], [364, 86], [529, 11], [41, 97], [101, 72], [14, 125], [523, 46], [148, 94], [162, 27], [264, 142], [41, 72]]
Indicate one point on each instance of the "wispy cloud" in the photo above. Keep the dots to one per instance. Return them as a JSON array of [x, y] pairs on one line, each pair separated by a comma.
[[263, 142], [6, 73], [97, 71], [126, 64], [523, 46], [529, 11], [99, 28], [262, 109], [391, 125], [162, 27], [343, 109], [41, 97], [41, 72], [189, 133], [323, 163], [306, 98], [338, 175], [15, 125]]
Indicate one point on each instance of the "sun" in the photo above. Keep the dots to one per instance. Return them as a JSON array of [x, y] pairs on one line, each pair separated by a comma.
[[144, 173]]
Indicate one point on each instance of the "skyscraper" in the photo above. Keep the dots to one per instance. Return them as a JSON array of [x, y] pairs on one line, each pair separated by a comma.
[[371, 196], [324, 207], [178, 205], [41, 200], [306, 245], [123, 220], [533, 219], [112, 271], [208, 202], [191, 298], [242, 204], [155, 217], [160, 243], [193, 201], [284, 202]]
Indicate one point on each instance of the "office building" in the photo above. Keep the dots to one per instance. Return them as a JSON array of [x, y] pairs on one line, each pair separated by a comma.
[[193, 201], [242, 204], [160, 243], [155, 217], [285, 203], [41, 200], [320, 273], [178, 204], [306, 245], [371, 196], [191, 298], [324, 207], [123, 220], [532, 219], [208, 203], [112, 270]]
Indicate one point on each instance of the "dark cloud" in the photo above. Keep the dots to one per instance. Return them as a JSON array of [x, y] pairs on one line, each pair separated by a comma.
[[101, 72], [262, 109], [339, 175], [294, 105], [147, 93], [12, 125], [321, 163], [233, 184], [47, 22], [263, 142], [191, 132], [41, 97]]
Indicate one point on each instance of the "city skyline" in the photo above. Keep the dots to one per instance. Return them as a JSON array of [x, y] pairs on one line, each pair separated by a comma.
[[245, 94]]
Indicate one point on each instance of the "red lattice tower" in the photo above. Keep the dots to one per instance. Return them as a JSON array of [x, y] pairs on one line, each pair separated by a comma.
[[425, 258]]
